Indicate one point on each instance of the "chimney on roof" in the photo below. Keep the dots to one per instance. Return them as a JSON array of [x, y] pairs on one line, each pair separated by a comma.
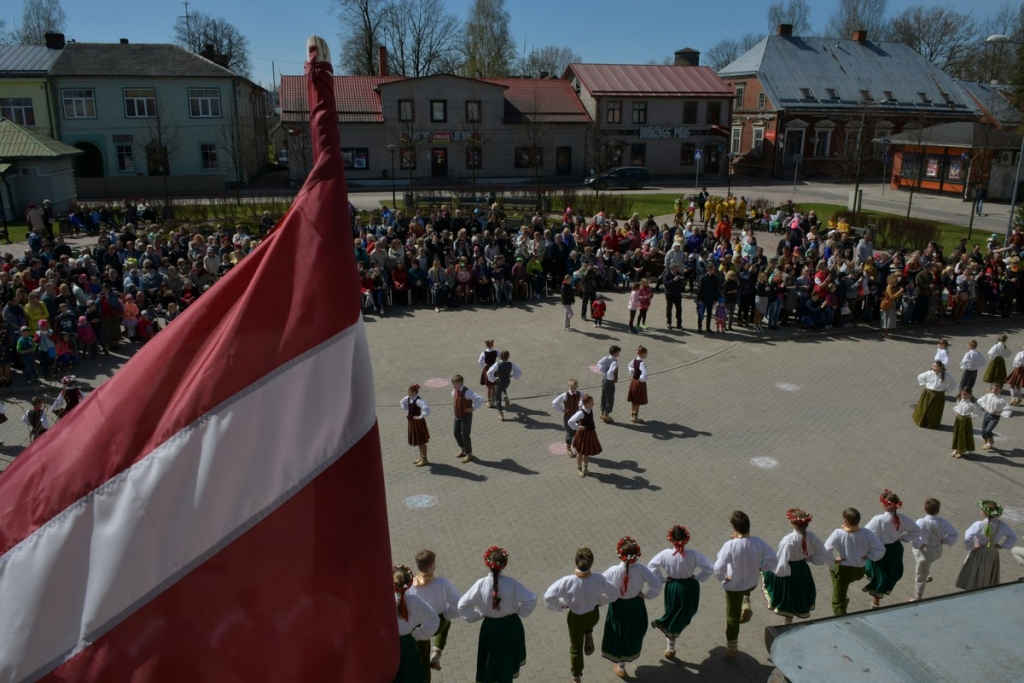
[[785, 29], [860, 35], [124, 41], [382, 61], [54, 41], [687, 57]]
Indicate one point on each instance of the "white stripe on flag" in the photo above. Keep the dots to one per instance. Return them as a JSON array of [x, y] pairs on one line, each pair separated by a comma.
[[115, 549]]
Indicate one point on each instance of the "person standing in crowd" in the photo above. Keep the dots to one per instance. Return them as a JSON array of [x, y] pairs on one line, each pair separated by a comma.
[[682, 571], [568, 299], [585, 441], [466, 401], [568, 403], [997, 355], [965, 409], [416, 412], [582, 593], [488, 357], [928, 413], [927, 548], [633, 305], [637, 395], [502, 603], [416, 622], [588, 286], [995, 407], [850, 547], [890, 303], [983, 540], [501, 375], [626, 623], [738, 567], [673, 280], [609, 369], [442, 597], [972, 362], [789, 587], [893, 529]]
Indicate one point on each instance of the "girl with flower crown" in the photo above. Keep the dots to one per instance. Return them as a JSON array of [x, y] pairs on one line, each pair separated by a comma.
[[893, 529], [416, 621], [789, 589], [682, 569], [626, 622], [984, 539], [500, 601]]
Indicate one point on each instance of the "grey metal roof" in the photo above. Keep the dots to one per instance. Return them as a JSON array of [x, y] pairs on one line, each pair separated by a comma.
[[965, 134], [18, 142], [26, 60], [139, 60], [788, 65], [993, 98]]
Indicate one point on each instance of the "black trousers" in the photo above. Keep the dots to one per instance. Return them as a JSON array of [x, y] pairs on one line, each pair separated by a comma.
[[607, 397], [968, 380], [463, 429], [676, 302], [587, 298]]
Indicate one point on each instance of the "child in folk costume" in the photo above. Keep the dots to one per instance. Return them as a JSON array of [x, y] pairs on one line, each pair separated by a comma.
[[36, 419], [568, 402], [893, 529], [609, 368], [1016, 379], [626, 623], [942, 353], [789, 588], [997, 355], [963, 425], [637, 395], [683, 571], [738, 567], [68, 398], [466, 401], [995, 407], [501, 602], [854, 546], [501, 375], [442, 597], [416, 621], [983, 540], [582, 593], [935, 532], [584, 442], [928, 412], [416, 412], [488, 357], [971, 363]]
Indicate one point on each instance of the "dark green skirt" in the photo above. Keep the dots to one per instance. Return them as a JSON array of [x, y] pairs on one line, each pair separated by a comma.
[[793, 595], [963, 434], [995, 371], [886, 573], [928, 412], [624, 629], [682, 598], [409, 669], [501, 649]]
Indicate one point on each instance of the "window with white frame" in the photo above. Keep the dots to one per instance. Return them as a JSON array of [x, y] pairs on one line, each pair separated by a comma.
[[19, 110], [737, 136], [125, 158], [208, 154], [140, 103], [79, 103], [758, 146], [822, 140], [852, 143], [204, 103]]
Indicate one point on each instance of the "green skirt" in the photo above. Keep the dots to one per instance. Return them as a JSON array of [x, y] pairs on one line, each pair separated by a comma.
[[409, 669], [963, 434], [682, 598], [995, 371], [501, 649], [886, 573], [793, 595], [928, 412], [624, 629]]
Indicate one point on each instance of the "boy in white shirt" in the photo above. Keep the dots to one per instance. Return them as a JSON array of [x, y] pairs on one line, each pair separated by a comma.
[[970, 364], [995, 407], [854, 547], [609, 367], [501, 375], [442, 597], [935, 532], [739, 565]]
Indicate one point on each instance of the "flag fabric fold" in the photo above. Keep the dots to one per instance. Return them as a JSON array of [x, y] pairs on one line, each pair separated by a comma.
[[216, 511]]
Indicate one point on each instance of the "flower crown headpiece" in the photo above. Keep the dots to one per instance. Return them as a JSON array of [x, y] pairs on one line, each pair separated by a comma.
[[680, 543], [629, 558], [406, 578], [502, 560], [798, 516], [991, 508], [890, 504]]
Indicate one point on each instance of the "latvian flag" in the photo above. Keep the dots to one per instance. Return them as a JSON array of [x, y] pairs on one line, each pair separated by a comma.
[[215, 512]]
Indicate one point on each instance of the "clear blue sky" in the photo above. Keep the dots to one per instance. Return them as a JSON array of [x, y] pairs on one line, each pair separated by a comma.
[[277, 30]]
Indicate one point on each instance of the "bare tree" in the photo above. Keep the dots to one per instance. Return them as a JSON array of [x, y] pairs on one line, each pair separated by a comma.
[[421, 37], [941, 34], [3, 32], [855, 156], [471, 140], [231, 148], [488, 48], [360, 34], [985, 61], [550, 59], [534, 136], [727, 50], [853, 15], [794, 12], [196, 31], [38, 18], [163, 142]]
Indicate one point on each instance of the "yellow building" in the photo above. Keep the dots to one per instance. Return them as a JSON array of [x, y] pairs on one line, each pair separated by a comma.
[[25, 96]]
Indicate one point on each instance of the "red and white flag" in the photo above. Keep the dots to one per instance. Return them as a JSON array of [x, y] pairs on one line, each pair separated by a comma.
[[216, 511]]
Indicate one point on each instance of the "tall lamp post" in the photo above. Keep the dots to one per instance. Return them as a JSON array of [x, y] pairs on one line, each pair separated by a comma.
[[998, 38], [394, 201]]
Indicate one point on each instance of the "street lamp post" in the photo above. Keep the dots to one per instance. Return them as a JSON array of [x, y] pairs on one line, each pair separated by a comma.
[[999, 38], [394, 201]]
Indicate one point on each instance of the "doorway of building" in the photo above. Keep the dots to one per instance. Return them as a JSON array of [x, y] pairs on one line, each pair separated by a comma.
[[90, 164], [439, 162], [711, 159], [563, 160], [794, 146]]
